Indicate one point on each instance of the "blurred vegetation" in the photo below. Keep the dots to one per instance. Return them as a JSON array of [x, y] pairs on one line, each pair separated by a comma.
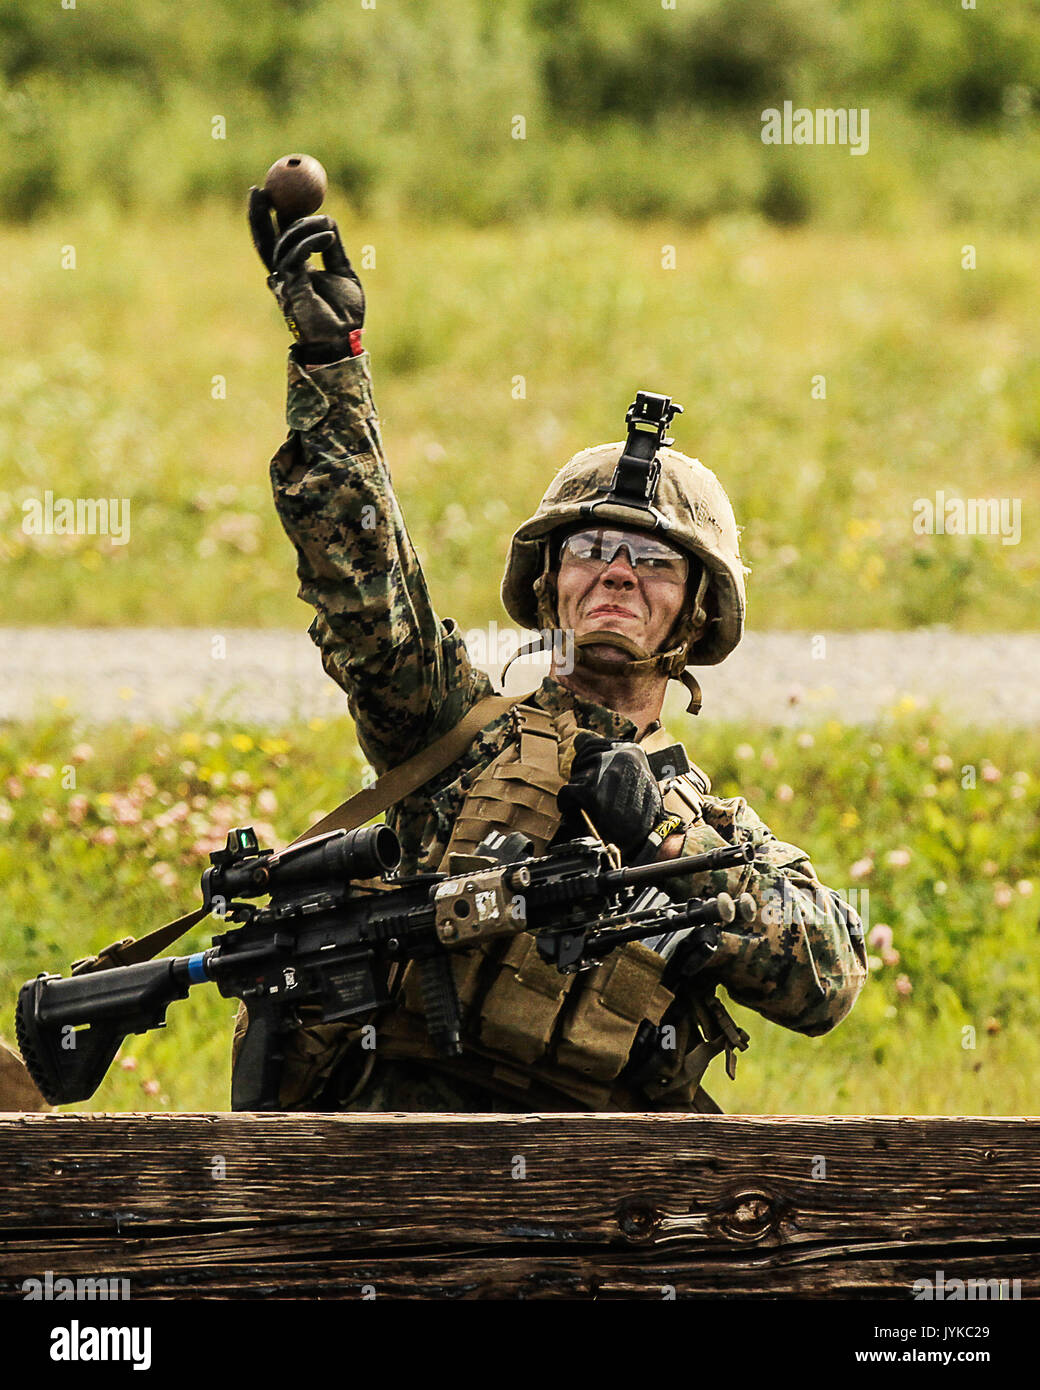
[[932, 382], [106, 831], [151, 370], [629, 107]]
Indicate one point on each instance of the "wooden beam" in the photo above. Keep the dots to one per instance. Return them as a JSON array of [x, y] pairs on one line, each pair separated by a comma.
[[518, 1206]]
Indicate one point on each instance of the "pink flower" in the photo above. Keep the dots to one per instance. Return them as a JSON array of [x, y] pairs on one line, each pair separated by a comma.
[[150, 1088], [784, 792], [990, 773], [207, 845], [743, 752], [129, 1063], [861, 868], [880, 936], [1002, 895], [903, 985], [770, 760], [890, 957], [874, 963], [105, 836], [15, 789], [49, 818], [125, 812], [267, 802], [942, 762], [898, 858], [805, 740], [164, 874], [795, 693], [989, 867], [82, 753], [77, 808]]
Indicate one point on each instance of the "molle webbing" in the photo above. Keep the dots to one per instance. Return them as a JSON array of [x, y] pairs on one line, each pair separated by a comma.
[[517, 791], [523, 1022]]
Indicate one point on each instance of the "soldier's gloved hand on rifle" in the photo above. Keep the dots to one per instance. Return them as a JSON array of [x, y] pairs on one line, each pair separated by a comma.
[[323, 308], [612, 782]]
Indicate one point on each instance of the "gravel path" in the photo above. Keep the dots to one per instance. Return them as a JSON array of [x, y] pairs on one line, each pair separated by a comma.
[[274, 677]]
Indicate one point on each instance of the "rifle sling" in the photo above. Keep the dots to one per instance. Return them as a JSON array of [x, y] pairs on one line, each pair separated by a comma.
[[401, 781], [394, 784]]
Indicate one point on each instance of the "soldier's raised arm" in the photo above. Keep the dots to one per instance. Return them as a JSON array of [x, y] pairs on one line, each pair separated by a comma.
[[406, 673]]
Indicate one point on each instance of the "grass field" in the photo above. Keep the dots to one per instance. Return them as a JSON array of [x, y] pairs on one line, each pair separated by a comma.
[[153, 371], [107, 830]]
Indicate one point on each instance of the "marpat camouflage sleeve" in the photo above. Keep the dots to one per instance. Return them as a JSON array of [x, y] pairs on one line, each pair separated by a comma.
[[406, 674], [801, 961]]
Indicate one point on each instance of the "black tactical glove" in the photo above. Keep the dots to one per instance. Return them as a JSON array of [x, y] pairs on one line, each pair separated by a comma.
[[321, 307], [612, 782]]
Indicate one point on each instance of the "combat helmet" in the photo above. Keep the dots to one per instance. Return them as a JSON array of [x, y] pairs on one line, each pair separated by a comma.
[[640, 484]]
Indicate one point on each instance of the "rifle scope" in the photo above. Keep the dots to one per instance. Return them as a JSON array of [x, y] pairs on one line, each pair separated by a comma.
[[241, 869]]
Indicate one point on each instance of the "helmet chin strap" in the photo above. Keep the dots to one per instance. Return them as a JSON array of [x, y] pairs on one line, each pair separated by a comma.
[[671, 662]]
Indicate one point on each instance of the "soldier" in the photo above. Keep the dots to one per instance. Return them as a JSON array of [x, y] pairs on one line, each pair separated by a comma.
[[637, 558]]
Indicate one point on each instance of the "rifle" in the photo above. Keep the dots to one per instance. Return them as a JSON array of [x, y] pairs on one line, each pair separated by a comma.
[[337, 919]]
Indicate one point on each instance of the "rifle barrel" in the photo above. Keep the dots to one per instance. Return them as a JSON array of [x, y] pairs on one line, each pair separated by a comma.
[[727, 857]]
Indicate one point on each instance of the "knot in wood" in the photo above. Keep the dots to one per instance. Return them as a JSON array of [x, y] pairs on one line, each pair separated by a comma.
[[636, 1219], [748, 1216]]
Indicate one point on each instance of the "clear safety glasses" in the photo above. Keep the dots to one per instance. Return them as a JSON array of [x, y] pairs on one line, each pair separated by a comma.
[[649, 557]]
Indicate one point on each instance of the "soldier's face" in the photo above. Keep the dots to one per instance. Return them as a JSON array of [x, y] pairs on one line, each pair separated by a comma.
[[617, 596]]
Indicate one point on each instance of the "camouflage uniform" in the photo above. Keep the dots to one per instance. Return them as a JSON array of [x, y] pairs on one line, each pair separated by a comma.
[[408, 680]]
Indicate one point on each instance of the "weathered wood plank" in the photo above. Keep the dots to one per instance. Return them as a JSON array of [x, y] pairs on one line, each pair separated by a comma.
[[463, 1274], [436, 1206]]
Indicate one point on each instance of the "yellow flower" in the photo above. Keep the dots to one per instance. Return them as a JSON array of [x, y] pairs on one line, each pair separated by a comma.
[[906, 704], [274, 746], [316, 725], [834, 728], [59, 701], [242, 742], [849, 820], [871, 572], [126, 692]]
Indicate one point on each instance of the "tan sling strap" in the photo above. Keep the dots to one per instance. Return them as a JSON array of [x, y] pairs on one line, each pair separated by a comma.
[[395, 784], [401, 781]]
